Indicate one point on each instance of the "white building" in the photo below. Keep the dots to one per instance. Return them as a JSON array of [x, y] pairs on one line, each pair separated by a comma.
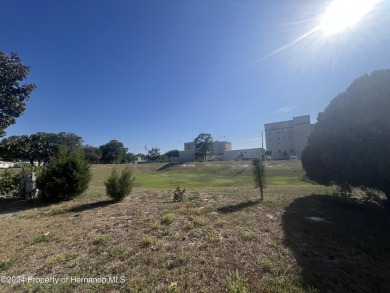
[[242, 155], [222, 151], [287, 139]]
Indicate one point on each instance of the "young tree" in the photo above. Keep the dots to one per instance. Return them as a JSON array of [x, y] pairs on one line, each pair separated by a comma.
[[203, 146], [259, 174], [118, 187], [66, 176], [12, 94], [154, 155], [350, 144]]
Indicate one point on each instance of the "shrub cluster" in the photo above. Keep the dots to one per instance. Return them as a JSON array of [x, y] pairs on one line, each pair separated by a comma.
[[66, 176], [118, 187]]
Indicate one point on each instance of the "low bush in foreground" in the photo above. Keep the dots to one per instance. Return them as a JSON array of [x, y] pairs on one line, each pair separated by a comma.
[[118, 187]]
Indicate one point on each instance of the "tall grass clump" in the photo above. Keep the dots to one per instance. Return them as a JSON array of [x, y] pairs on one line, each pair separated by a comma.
[[66, 176], [118, 187]]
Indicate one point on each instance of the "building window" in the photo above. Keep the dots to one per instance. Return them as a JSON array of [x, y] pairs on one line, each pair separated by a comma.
[[280, 151], [292, 150]]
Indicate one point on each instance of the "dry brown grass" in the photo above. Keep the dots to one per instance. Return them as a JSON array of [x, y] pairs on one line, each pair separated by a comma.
[[212, 241]]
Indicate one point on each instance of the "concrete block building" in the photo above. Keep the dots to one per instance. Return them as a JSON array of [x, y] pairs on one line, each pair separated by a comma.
[[287, 139]]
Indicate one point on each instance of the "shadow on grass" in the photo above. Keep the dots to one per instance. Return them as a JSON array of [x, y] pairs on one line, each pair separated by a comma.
[[241, 171], [237, 207], [91, 206], [341, 245], [17, 204], [166, 167]]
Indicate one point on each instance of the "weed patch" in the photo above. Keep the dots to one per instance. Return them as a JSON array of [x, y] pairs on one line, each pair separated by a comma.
[[168, 218], [237, 284], [39, 239]]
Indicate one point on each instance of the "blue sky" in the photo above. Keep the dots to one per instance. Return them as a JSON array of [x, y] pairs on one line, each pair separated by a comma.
[[158, 73]]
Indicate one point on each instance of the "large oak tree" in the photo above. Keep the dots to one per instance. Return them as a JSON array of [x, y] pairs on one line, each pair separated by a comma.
[[13, 94]]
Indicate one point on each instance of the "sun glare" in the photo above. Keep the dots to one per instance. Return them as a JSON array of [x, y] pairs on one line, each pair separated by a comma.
[[343, 14]]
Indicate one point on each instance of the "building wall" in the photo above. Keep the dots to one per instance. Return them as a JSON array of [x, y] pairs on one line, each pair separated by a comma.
[[186, 156], [287, 138], [189, 146], [220, 146], [244, 154]]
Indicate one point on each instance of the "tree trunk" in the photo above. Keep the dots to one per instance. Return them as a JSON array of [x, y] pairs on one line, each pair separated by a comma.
[[261, 192]]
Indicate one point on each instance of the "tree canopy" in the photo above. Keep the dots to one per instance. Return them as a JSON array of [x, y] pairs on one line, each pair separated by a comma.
[[203, 146], [350, 144], [12, 94], [113, 152], [92, 154], [36, 147], [172, 153], [154, 155]]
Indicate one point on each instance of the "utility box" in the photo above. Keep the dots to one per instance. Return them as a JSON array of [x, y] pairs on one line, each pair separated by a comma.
[[28, 185]]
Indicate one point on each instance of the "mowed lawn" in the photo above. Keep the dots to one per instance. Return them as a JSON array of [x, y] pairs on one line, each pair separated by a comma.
[[219, 239], [205, 174]]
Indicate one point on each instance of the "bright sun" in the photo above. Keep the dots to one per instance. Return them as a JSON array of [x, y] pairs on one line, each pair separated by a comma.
[[343, 14]]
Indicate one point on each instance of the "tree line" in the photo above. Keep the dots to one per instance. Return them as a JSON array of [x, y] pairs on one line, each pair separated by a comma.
[[40, 146]]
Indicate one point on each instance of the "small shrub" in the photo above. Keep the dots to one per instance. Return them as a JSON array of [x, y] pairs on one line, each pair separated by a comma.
[[198, 221], [168, 219], [221, 223], [41, 238], [189, 225], [259, 174], [66, 176], [178, 195], [247, 235], [5, 264], [102, 240], [59, 258], [9, 183], [149, 241], [118, 187], [266, 264], [117, 252], [237, 284]]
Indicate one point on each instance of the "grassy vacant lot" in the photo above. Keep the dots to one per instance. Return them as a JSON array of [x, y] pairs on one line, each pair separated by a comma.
[[215, 174], [220, 239]]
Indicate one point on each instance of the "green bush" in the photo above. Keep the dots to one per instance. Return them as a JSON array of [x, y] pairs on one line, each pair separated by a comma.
[[118, 187], [66, 176], [9, 183]]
